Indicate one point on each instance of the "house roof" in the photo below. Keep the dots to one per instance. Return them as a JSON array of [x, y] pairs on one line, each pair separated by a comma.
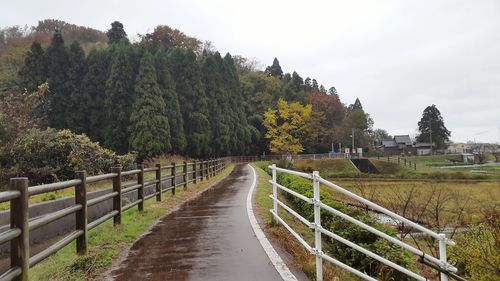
[[422, 144], [403, 139], [389, 143]]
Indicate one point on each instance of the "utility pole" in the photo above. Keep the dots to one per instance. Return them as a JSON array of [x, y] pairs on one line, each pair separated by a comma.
[[352, 135], [430, 132]]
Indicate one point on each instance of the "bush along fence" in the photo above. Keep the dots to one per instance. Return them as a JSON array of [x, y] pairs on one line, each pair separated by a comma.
[[167, 178]]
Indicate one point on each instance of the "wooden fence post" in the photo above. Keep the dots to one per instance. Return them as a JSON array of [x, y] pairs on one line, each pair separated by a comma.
[[202, 165], [415, 165], [173, 178], [207, 174], [117, 200], [195, 172], [140, 191], [185, 172], [81, 215], [19, 213], [159, 183]]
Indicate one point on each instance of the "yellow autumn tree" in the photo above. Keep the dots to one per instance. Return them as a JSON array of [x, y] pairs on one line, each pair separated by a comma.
[[285, 126]]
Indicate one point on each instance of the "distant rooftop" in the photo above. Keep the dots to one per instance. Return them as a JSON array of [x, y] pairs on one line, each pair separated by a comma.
[[403, 139]]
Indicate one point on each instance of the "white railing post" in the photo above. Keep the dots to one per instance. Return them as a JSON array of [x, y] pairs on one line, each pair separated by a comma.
[[317, 227], [442, 256], [275, 190]]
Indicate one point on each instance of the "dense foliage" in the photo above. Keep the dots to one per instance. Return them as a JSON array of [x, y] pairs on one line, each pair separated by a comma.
[[197, 102], [477, 253], [432, 129], [50, 155], [285, 126]]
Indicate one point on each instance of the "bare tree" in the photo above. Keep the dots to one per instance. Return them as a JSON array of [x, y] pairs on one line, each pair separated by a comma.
[[368, 193]]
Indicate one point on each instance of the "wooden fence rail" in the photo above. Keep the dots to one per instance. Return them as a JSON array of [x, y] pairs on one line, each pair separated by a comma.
[[21, 225]]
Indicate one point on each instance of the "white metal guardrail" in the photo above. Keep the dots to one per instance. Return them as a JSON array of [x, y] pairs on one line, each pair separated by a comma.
[[441, 264]]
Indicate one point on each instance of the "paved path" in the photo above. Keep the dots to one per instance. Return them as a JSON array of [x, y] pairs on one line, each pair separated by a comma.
[[209, 238]]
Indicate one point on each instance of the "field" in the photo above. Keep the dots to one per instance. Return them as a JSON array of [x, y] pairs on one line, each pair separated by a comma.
[[468, 199], [437, 197]]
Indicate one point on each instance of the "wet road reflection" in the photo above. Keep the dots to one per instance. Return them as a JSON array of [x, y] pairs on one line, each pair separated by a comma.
[[209, 238]]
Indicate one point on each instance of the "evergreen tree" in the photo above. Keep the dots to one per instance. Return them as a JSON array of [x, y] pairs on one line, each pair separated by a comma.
[[432, 129], [119, 98], [59, 99], [294, 89], [149, 129], [315, 85], [185, 71], [116, 33], [275, 69], [167, 87], [33, 72], [322, 89], [77, 68], [332, 91], [307, 84], [356, 105], [94, 94], [241, 132], [218, 103]]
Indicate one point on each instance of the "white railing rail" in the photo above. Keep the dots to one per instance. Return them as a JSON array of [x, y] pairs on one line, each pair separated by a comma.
[[440, 263]]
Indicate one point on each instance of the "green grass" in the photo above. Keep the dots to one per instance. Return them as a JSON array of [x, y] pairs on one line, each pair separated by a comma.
[[106, 242], [330, 167]]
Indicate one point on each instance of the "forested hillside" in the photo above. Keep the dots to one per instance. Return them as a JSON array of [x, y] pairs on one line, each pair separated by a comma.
[[168, 93]]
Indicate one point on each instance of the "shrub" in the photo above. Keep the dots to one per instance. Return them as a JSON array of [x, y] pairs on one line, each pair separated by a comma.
[[478, 256], [50, 155]]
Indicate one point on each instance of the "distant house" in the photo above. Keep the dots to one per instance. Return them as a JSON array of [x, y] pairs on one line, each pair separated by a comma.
[[458, 148], [403, 144]]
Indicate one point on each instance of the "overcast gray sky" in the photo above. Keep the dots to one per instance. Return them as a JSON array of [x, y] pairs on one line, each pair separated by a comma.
[[397, 56]]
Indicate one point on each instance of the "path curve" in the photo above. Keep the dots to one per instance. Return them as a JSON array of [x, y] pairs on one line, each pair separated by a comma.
[[208, 238]]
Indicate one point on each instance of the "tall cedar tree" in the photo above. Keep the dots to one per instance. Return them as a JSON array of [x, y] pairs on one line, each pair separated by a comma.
[[59, 98], [149, 129], [432, 123], [119, 98], [117, 34], [274, 69], [218, 103], [194, 108], [167, 87], [94, 94], [241, 131], [75, 112], [33, 71]]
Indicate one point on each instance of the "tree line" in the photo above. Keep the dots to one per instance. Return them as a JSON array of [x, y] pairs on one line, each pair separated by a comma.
[[169, 93]]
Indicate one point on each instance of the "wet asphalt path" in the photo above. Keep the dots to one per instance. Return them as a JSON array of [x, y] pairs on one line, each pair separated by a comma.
[[208, 238]]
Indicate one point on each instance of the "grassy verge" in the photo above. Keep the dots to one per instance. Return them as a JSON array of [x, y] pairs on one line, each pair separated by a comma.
[[301, 258], [107, 242]]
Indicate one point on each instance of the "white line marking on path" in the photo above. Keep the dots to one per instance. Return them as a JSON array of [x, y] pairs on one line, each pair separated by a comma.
[[278, 263]]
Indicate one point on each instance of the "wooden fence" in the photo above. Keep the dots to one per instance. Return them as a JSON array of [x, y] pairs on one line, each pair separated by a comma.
[[401, 161], [21, 225]]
